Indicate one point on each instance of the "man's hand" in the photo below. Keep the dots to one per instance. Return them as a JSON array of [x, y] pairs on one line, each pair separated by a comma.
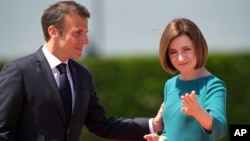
[[157, 121], [154, 137]]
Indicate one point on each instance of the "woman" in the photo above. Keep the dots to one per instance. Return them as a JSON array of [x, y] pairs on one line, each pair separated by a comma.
[[194, 99]]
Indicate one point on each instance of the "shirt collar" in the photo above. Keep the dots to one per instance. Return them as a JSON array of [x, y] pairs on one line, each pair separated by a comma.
[[52, 60]]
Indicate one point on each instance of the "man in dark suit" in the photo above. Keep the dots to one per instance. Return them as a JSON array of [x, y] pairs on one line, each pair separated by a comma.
[[32, 107]]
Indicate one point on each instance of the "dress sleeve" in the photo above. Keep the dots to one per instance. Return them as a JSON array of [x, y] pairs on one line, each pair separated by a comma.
[[215, 104]]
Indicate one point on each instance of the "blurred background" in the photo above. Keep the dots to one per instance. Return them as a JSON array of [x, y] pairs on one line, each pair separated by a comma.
[[123, 50], [126, 28]]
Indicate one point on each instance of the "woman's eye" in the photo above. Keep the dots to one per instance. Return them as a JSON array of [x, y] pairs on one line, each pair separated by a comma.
[[187, 49], [172, 53]]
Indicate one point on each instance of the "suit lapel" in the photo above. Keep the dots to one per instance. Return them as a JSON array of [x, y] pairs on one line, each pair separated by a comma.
[[73, 71], [49, 78], [80, 88]]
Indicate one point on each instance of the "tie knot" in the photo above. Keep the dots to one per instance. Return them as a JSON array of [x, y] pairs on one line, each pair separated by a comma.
[[62, 68]]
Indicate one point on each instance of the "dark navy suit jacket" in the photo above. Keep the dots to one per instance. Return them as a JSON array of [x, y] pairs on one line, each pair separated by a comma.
[[31, 108]]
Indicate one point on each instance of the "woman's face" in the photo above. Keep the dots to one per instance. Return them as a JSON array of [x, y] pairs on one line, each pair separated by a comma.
[[182, 54]]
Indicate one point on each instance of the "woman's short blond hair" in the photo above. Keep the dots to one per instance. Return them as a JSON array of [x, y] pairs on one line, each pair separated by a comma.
[[176, 28]]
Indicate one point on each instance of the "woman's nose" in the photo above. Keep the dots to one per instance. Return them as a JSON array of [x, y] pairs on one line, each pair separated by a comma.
[[180, 56]]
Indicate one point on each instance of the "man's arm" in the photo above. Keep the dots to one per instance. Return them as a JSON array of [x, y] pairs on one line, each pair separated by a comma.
[[157, 122]]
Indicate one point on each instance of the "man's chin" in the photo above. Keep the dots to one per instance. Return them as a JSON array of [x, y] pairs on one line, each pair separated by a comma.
[[77, 57]]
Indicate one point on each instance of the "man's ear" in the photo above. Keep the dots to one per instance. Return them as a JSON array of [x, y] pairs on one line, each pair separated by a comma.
[[53, 31]]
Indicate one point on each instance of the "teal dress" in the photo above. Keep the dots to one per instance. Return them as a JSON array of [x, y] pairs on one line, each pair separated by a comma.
[[211, 93]]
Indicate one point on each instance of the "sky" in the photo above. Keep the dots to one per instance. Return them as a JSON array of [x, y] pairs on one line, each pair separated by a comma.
[[129, 27]]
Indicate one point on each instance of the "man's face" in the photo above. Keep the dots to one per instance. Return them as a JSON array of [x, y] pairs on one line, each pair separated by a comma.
[[74, 37]]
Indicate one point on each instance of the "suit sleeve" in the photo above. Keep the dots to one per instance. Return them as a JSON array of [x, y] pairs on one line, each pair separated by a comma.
[[11, 92], [113, 128]]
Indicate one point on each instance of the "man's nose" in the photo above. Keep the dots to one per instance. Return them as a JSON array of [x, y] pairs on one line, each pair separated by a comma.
[[84, 39]]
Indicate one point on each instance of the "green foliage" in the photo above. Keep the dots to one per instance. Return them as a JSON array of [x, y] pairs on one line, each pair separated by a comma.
[[130, 83], [132, 87]]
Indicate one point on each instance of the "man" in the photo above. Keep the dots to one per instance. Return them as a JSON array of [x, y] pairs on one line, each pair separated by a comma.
[[32, 103]]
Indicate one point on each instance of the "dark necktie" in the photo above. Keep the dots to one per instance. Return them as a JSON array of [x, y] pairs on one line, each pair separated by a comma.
[[65, 89]]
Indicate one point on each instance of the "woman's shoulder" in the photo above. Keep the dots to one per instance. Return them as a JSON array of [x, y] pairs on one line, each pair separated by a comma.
[[212, 79], [172, 79]]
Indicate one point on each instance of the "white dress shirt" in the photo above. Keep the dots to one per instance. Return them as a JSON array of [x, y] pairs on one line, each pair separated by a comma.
[[53, 62]]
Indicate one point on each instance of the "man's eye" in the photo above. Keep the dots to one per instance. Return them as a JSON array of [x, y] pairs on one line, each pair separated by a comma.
[[78, 33]]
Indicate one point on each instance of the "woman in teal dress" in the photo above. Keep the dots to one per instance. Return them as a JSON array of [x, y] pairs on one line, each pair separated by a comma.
[[194, 99]]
